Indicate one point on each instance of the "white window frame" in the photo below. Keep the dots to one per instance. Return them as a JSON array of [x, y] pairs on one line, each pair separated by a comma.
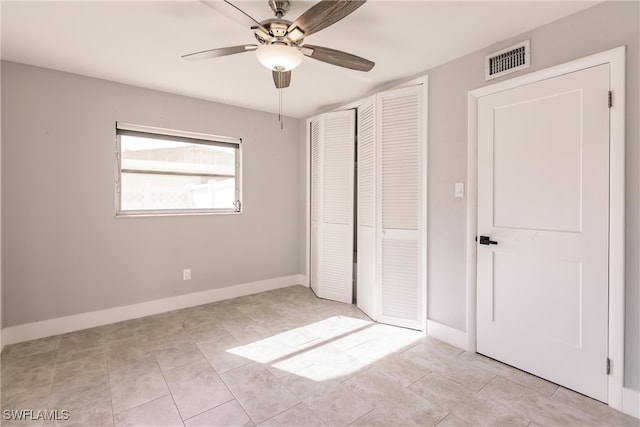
[[180, 136]]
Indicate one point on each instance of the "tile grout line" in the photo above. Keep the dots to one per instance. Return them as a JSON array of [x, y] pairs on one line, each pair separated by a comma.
[[302, 401], [485, 385], [517, 370], [227, 386], [168, 389], [285, 410], [503, 404], [421, 378], [277, 379], [427, 400], [358, 419], [53, 372], [449, 413], [113, 412]]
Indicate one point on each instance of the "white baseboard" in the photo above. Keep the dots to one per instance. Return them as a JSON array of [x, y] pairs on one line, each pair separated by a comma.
[[62, 325], [631, 402], [447, 334]]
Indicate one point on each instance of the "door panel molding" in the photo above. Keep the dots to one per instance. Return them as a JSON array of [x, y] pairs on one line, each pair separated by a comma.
[[616, 59]]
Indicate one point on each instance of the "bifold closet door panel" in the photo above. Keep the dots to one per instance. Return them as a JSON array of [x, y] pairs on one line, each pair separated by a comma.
[[316, 205], [367, 288], [332, 159], [400, 242]]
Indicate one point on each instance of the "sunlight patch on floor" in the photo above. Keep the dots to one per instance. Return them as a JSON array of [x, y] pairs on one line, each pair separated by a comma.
[[333, 348]]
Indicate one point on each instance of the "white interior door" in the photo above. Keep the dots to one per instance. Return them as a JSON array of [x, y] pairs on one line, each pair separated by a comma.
[[543, 196], [332, 158], [366, 218], [400, 217]]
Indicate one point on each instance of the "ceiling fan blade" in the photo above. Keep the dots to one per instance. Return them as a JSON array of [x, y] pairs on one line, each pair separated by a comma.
[[321, 15], [337, 57], [232, 12], [282, 79], [223, 51]]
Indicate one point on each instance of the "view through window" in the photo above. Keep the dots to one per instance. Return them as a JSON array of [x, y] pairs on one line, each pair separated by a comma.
[[171, 172]]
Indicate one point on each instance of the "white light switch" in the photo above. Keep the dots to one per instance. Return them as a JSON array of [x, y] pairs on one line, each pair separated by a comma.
[[459, 189]]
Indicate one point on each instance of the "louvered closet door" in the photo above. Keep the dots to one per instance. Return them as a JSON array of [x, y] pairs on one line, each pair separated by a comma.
[[366, 193], [401, 243], [316, 204], [332, 206]]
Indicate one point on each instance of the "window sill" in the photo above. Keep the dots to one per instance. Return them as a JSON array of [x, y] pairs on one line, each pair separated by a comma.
[[137, 214]]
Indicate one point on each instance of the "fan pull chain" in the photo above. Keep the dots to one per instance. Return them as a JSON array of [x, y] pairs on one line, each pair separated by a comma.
[[280, 108]]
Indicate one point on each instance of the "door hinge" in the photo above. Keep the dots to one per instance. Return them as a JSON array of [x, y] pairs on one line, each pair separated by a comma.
[[610, 99], [608, 366]]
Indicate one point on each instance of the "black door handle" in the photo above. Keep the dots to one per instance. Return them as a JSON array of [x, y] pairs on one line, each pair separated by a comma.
[[486, 240]]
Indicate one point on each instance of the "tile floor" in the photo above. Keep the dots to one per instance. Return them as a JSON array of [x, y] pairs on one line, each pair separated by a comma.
[[280, 358]]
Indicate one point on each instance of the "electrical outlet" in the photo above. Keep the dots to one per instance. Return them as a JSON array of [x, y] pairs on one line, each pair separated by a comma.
[[186, 274]]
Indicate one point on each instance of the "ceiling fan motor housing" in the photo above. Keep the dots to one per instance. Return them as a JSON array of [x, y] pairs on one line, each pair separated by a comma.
[[275, 31], [277, 27]]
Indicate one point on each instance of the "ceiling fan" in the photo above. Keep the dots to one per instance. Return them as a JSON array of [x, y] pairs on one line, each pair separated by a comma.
[[280, 45]]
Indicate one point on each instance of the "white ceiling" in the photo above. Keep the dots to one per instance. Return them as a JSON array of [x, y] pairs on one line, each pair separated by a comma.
[[140, 43]]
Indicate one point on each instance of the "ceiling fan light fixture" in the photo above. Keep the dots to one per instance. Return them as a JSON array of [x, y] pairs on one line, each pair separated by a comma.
[[279, 57]]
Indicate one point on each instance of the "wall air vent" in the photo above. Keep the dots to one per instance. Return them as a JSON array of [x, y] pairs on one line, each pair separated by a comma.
[[507, 60]]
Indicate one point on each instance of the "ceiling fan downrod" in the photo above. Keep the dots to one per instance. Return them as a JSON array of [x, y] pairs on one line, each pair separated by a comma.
[[279, 7]]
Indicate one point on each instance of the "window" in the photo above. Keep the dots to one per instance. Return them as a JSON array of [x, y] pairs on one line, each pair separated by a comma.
[[162, 171]]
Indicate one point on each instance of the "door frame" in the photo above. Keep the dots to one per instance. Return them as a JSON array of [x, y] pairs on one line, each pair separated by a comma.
[[616, 59]]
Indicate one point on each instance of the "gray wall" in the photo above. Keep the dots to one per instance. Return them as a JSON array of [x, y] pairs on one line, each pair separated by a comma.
[[65, 252], [302, 194], [605, 26]]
